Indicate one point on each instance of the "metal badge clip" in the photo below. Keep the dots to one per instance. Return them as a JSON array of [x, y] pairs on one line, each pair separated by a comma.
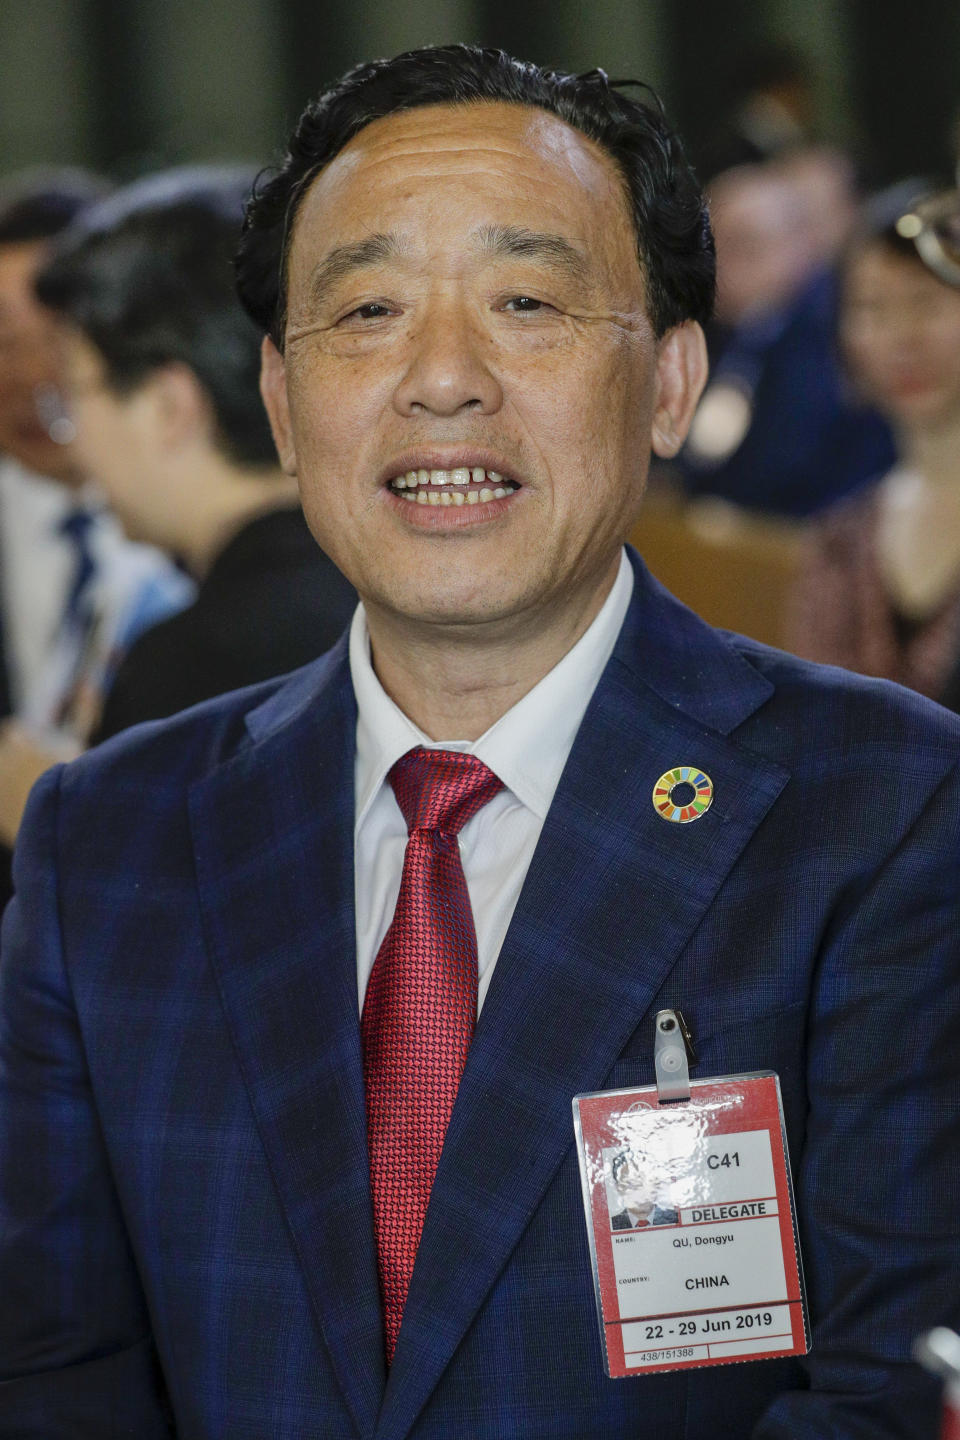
[[673, 1054]]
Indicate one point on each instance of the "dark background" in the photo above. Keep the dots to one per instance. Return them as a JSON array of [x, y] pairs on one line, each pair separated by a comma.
[[128, 85]]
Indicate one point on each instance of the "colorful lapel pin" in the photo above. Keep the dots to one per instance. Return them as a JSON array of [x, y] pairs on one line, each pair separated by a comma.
[[683, 793]]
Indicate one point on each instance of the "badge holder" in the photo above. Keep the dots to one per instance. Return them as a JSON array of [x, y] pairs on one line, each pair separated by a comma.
[[690, 1217]]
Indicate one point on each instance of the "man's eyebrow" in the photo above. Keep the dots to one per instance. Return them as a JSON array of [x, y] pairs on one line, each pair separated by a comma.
[[343, 259], [536, 244], [494, 240]]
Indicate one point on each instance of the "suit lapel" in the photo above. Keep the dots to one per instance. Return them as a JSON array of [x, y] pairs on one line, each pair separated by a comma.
[[273, 838], [613, 894]]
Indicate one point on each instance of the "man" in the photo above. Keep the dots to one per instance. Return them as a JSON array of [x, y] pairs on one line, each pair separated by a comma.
[[161, 372], [60, 552], [39, 469], [262, 1181], [634, 1202], [779, 429], [73, 591]]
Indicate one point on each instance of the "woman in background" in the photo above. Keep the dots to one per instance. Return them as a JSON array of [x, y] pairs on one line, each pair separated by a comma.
[[879, 591]]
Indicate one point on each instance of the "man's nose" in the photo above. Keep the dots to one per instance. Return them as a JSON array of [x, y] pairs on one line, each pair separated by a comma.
[[449, 365]]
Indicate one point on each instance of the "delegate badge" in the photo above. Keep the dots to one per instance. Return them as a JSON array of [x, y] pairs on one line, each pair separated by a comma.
[[691, 1223]]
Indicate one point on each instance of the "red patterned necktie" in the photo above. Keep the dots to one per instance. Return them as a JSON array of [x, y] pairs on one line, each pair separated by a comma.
[[420, 1008]]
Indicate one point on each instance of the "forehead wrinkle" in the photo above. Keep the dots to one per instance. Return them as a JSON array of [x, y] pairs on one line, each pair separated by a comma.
[[400, 158], [493, 241]]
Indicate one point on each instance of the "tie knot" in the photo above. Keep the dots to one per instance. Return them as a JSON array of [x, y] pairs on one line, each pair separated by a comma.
[[441, 789], [76, 526]]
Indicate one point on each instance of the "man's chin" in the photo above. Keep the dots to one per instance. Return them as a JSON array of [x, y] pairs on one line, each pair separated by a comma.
[[450, 612]]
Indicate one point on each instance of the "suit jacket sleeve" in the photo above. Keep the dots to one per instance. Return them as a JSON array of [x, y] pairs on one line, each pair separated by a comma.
[[76, 1353], [877, 1175]]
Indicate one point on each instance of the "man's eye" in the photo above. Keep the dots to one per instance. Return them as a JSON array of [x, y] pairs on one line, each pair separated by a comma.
[[376, 310], [524, 305]]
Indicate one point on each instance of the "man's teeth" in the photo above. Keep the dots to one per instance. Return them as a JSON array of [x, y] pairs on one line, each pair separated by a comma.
[[422, 487]]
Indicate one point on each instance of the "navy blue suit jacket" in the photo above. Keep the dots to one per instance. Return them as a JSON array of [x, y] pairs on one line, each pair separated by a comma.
[[184, 1205]]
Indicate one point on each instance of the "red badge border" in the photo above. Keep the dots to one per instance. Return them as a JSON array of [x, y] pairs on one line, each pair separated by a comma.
[[760, 1109]]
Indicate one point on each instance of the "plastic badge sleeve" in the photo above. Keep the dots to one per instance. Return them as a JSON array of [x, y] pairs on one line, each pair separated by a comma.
[[692, 1227]]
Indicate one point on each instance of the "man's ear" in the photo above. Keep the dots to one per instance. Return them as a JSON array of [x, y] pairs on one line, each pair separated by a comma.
[[181, 408], [681, 376], [273, 388]]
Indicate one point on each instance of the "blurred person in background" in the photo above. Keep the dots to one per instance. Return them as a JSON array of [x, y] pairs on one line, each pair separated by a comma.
[[74, 592], [770, 107], [766, 108], [162, 375], [71, 588], [823, 180], [760, 228], [39, 475], [880, 589], [778, 429]]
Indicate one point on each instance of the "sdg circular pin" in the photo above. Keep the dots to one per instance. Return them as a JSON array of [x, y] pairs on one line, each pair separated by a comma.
[[683, 794]]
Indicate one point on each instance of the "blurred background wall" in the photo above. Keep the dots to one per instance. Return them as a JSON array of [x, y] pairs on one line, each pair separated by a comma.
[[129, 85]]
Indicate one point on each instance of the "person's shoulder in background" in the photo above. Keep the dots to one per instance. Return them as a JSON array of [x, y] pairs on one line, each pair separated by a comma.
[[271, 602], [779, 429]]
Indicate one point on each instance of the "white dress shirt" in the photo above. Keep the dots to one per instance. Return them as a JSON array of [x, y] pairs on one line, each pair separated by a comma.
[[57, 672], [35, 570], [527, 749]]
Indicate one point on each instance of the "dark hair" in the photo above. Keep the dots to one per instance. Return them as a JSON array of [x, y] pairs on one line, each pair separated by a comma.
[[879, 215], [146, 276], [624, 1158], [917, 220], [768, 65], [673, 230], [37, 204]]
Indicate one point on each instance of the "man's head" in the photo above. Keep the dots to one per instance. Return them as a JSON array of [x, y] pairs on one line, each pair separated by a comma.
[[763, 254], [631, 1181], [672, 228], [472, 267], [34, 208], [157, 350]]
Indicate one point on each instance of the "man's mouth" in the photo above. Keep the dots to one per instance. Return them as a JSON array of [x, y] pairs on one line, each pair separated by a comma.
[[462, 486]]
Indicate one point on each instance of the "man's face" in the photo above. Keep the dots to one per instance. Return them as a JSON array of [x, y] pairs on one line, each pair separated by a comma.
[[29, 367], [466, 306], [119, 437], [632, 1183], [761, 235]]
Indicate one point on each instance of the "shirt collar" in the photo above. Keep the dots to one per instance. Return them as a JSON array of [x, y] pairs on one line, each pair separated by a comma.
[[514, 745]]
